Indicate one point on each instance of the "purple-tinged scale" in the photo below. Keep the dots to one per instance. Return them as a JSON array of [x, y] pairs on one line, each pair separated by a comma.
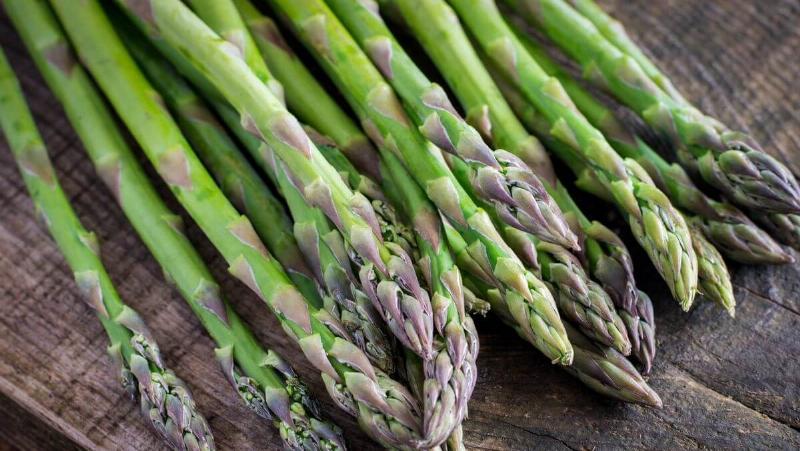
[[243, 230], [279, 404], [379, 50], [349, 354], [290, 303], [111, 174], [314, 351], [208, 295], [59, 54], [174, 168], [288, 130]]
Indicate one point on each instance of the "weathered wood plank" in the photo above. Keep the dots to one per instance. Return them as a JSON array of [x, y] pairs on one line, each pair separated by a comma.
[[726, 383]]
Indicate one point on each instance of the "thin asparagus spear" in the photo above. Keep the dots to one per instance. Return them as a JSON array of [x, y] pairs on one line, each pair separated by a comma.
[[655, 223], [731, 231], [223, 17], [386, 409], [715, 281], [165, 399], [305, 97], [385, 269], [616, 34], [497, 177], [535, 314], [449, 378], [265, 382], [729, 160]]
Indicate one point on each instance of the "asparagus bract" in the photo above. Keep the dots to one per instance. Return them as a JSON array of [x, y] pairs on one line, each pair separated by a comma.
[[165, 400], [785, 228], [655, 223], [731, 231], [385, 121], [264, 381], [386, 409], [223, 17], [715, 280], [498, 177], [306, 98], [729, 160]]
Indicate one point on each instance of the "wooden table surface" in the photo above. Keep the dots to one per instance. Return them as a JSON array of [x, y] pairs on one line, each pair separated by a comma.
[[726, 383]]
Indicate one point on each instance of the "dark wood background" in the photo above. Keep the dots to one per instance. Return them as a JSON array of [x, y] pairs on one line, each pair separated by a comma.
[[726, 383]]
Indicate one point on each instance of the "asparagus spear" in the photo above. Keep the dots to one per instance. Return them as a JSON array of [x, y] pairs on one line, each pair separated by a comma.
[[729, 160], [385, 269], [165, 399], [265, 382], [497, 177], [731, 231], [382, 116], [305, 97], [223, 17], [655, 223], [385, 408]]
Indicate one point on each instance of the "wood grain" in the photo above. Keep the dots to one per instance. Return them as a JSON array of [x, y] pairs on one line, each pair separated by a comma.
[[726, 383]]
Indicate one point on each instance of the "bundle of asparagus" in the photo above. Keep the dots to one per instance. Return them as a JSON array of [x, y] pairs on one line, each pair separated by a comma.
[[370, 243]]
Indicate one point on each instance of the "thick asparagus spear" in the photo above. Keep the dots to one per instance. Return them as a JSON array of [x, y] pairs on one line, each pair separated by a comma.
[[372, 98], [165, 399], [729, 160], [265, 382], [655, 223], [385, 408], [386, 269], [731, 231], [497, 177], [224, 18], [306, 98]]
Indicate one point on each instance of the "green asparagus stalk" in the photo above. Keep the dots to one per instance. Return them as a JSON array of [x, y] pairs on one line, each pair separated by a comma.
[[385, 269], [730, 230], [729, 160], [165, 399], [384, 407], [655, 223], [497, 177], [715, 281], [328, 254], [449, 378], [224, 18], [607, 257], [616, 34], [265, 382], [384, 120], [306, 98]]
